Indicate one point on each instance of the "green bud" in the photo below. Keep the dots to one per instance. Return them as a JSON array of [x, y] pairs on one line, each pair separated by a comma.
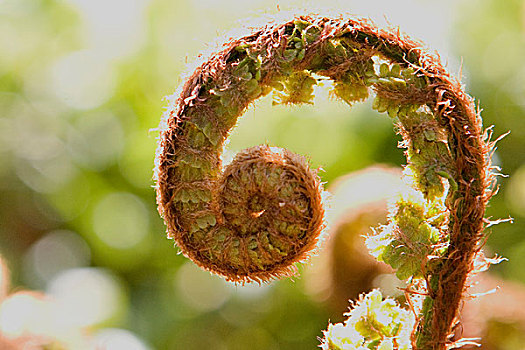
[[392, 111], [383, 70], [396, 70], [383, 105]]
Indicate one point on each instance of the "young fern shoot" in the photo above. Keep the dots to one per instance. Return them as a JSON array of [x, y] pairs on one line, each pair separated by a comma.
[[261, 214]]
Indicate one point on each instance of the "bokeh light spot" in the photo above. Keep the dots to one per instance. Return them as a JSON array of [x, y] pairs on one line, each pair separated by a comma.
[[200, 289], [117, 339], [86, 296], [83, 79], [361, 188], [22, 312], [121, 220], [55, 252], [114, 35], [252, 291], [46, 176]]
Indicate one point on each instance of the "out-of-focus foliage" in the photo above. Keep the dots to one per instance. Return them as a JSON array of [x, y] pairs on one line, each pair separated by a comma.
[[81, 87]]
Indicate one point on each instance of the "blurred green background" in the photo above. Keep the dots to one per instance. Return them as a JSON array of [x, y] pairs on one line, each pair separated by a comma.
[[81, 92]]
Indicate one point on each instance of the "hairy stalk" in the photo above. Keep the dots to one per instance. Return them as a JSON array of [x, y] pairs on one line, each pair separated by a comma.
[[263, 213]]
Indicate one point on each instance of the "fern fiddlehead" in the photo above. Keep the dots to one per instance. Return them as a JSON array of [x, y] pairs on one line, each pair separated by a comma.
[[263, 213]]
